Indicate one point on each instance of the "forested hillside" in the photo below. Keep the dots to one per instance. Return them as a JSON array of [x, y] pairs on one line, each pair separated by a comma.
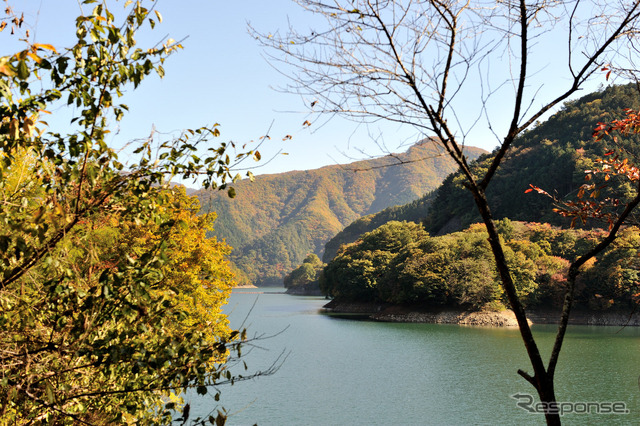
[[398, 262], [415, 211], [279, 219], [552, 156]]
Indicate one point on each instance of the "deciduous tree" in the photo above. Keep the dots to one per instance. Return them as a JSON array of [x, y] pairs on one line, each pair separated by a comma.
[[420, 62], [110, 295]]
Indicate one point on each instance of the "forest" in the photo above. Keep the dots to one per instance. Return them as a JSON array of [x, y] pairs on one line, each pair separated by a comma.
[[431, 252], [553, 155], [111, 294], [399, 263], [281, 218]]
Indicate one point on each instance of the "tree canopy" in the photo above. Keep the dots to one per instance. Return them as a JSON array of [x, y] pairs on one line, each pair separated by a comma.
[[408, 267], [110, 294]]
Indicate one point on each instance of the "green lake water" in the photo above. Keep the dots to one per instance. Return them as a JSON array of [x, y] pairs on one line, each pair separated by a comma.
[[349, 372]]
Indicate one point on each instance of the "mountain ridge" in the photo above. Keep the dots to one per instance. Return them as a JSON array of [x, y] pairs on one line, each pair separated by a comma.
[[279, 219], [553, 155], [448, 261]]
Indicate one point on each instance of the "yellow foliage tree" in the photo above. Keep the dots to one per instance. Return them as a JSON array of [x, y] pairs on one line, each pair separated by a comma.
[[192, 284], [197, 275], [100, 319]]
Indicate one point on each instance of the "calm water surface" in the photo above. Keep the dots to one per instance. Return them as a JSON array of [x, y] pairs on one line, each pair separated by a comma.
[[349, 372]]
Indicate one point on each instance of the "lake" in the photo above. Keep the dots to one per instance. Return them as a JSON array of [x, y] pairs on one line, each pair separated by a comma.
[[349, 372]]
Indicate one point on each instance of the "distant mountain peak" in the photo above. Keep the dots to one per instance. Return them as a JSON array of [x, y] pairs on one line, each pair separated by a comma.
[[276, 221]]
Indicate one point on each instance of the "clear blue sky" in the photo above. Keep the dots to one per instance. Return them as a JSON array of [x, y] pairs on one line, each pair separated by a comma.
[[221, 76]]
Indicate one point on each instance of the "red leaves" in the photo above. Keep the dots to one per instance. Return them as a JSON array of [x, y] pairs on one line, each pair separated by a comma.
[[538, 190], [600, 129], [630, 124], [586, 209], [615, 166], [589, 207], [611, 165]]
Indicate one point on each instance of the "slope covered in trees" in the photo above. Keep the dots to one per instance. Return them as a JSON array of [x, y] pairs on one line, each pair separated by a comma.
[[282, 218], [400, 263], [552, 156], [415, 211]]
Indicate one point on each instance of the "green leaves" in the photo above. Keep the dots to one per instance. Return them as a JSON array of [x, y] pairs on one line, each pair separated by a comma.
[[23, 70], [92, 309], [49, 392]]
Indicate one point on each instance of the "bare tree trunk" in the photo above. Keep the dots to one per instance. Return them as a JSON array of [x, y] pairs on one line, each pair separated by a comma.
[[541, 380]]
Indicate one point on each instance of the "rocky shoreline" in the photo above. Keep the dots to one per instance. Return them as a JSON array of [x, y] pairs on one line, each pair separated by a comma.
[[245, 286], [506, 318]]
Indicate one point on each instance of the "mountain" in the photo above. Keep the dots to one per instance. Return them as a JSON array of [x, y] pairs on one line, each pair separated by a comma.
[[278, 219], [553, 155], [415, 211], [398, 262]]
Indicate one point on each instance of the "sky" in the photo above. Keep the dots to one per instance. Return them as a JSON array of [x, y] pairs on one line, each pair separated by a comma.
[[222, 76]]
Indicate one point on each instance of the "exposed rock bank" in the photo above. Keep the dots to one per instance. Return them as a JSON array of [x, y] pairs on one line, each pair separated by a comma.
[[245, 286], [484, 318], [506, 318]]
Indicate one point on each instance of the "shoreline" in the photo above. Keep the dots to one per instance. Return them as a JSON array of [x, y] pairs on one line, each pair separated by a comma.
[[245, 286], [506, 318]]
